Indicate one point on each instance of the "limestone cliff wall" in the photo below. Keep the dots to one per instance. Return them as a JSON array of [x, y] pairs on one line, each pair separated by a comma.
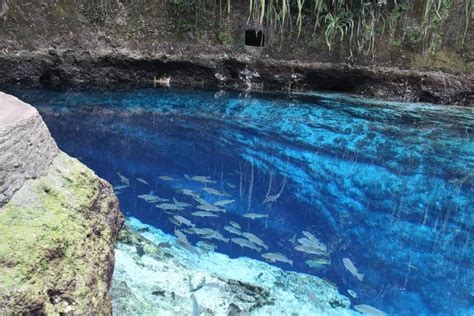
[[26, 146], [58, 224]]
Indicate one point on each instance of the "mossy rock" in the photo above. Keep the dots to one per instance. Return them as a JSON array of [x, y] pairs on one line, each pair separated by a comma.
[[57, 236]]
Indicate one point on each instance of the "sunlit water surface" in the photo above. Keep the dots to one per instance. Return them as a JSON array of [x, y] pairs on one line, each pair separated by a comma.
[[389, 186]]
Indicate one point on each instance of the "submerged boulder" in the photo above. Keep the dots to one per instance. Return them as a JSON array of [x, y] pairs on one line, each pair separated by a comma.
[[58, 222]]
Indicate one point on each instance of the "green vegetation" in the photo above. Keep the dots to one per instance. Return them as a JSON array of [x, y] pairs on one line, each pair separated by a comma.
[[357, 24]]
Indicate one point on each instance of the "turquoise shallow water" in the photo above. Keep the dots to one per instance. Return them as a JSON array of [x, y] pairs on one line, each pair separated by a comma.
[[389, 186]]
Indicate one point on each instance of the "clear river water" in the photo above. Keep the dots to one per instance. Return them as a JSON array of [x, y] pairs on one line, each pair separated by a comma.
[[376, 197]]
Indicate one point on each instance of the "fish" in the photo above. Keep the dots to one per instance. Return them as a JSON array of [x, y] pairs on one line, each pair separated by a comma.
[[316, 244], [216, 235], [186, 245], [200, 200], [189, 193], [210, 208], [180, 235], [230, 185], [318, 262], [169, 207], [187, 177], [352, 293], [196, 309], [202, 179], [123, 179], [310, 250], [271, 198], [203, 214], [200, 231], [245, 243], [236, 225], [174, 221], [166, 178], [121, 186], [276, 256], [150, 198], [310, 236], [251, 237], [369, 310], [205, 244], [352, 269], [180, 204], [255, 215], [142, 181], [233, 230], [214, 192], [183, 220], [223, 202]]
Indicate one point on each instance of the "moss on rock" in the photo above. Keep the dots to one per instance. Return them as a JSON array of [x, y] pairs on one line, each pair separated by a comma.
[[57, 236]]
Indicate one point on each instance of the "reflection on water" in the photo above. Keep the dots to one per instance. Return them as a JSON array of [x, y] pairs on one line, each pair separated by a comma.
[[376, 197]]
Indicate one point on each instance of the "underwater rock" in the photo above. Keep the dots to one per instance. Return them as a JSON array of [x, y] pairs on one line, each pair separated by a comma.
[[58, 226], [220, 285]]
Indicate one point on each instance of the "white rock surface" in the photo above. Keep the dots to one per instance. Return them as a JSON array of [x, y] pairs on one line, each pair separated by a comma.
[[26, 146], [161, 283]]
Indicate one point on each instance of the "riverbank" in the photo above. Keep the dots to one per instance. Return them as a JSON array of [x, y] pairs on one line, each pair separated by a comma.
[[67, 68]]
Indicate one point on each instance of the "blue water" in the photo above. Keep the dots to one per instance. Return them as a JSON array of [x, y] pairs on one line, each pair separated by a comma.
[[390, 186]]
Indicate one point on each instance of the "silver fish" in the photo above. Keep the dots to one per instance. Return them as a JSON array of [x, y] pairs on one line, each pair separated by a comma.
[[251, 237], [210, 208], [121, 186], [203, 214], [174, 221], [217, 236], [200, 200], [166, 178], [142, 181], [189, 193], [233, 230], [183, 220], [187, 177], [223, 202], [196, 309], [352, 293], [309, 235], [236, 225], [214, 192], [310, 250], [352, 269], [205, 244], [312, 243], [245, 243], [150, 198], [231, 185], [255, 215], [180, 204], [202, 179], [123, 179], [369, 310], [318, 262], [275, 256], [169, 207], [186, 245], [180, 235]]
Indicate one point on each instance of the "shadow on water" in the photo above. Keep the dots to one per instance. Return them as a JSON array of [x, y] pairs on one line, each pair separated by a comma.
[[390, 186]]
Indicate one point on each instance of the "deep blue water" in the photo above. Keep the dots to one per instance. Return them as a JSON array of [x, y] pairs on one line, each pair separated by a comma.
[[390, 186]]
